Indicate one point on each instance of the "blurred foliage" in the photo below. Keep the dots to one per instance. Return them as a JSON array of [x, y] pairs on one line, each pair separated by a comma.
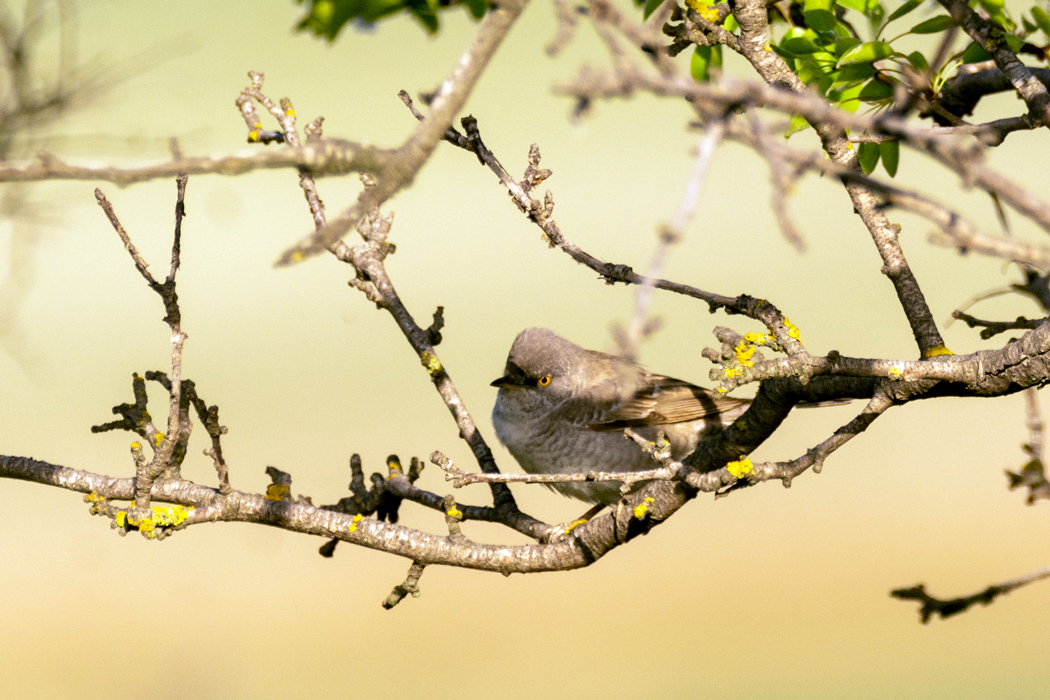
[[849, 51], [327, 18]]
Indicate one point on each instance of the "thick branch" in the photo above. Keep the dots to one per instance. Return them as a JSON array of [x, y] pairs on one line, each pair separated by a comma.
[[991, 39]]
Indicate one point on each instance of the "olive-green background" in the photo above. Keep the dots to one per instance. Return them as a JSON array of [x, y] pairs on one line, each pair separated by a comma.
[[768, 593]]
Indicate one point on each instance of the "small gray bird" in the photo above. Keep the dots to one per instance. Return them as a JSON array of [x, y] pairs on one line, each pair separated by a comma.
[[562, 410]]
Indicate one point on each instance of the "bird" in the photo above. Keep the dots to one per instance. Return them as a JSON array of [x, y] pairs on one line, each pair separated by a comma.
[[562, 409]]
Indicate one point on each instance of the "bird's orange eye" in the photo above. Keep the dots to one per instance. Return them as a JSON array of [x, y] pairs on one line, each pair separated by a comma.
[[544, 380]]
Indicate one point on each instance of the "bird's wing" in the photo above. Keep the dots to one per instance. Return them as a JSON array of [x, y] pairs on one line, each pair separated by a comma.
[[663, 401]]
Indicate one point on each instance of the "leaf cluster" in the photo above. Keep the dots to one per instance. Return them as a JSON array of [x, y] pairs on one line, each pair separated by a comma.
[[326, 18]]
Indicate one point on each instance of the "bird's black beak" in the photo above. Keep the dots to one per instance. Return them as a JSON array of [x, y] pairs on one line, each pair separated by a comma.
[[513, 378]]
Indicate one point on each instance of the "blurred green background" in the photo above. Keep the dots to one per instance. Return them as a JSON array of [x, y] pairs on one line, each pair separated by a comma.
[[768, 593]]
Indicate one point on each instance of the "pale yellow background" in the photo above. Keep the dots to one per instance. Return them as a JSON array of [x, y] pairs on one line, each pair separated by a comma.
[[769, 593]]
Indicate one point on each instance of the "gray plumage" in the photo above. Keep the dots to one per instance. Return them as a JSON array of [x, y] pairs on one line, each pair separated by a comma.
[[562, 409]]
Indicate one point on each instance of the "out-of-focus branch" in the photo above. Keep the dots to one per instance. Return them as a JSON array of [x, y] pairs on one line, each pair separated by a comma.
[[961, 156], [401, 169], [1032, 475], [642, 324], [970, 241], [953, 606], [327, 157]]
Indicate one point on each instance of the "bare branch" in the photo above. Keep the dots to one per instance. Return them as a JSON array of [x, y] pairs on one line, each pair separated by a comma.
[[325, 157], [409, 587], [953, 606], [1032, 475], [990, 38], [401, 169]]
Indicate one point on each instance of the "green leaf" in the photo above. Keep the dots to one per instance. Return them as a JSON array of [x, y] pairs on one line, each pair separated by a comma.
[[730, 25], [820, 15], [903, 10], [426, 16], [868, 52], [918, 60], [809, 72], [858, 5], [975, 54], [846, 97], [1042, 19], [875, 90], [933, 25], [1013, 42], [799, 46], [700, 64], [798, 123], [858, 71], [326, 18], [868, 154], [650, 7], [800, 33], [820, 20], [840, 30], [786, 55], [845, 44], [890, 152]]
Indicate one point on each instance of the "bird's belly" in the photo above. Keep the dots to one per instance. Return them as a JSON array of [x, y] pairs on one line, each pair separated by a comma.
[[575, 451]]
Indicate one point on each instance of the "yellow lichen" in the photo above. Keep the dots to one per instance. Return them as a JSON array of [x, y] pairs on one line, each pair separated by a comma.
[[353, 523], [159, 517], [703, 9], [642, 508], [740, 467], [136, 446], [895, 373], [574, 524], [432, 364], [277, 492], [253, 135], [454, 513], [744, 350], [938, 350], [170, 516], [792, 329], [158, 438]]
